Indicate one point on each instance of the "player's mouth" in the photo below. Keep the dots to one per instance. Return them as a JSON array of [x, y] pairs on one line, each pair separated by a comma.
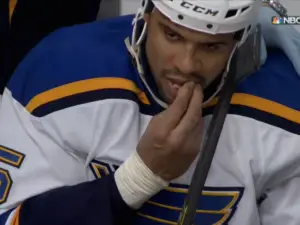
[[174, 85]]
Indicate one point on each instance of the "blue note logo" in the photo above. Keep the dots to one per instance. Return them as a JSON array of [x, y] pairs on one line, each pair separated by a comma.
[[217, 207]]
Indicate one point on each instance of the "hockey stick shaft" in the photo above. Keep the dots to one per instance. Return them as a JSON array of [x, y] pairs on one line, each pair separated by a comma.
[[207, 151]]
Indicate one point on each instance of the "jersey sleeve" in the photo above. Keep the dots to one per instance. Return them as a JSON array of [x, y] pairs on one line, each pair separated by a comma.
[[281, 204], [279, 180], [44, 181], [268, 118], [47, 139]]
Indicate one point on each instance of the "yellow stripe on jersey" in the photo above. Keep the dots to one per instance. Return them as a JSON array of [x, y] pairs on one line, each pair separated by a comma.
[[262, 105], [16, 218], [83, 86], [12, 6]]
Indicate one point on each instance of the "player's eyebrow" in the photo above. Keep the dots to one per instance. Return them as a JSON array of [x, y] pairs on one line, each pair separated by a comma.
[[173, 27]]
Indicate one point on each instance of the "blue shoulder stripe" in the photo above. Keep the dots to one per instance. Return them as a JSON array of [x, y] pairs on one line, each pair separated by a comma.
[[73, 54], [270, 95], [85, 91], [263, 110]]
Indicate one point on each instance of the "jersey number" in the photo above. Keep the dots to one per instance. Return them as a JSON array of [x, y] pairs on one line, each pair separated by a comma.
[[12, 158]]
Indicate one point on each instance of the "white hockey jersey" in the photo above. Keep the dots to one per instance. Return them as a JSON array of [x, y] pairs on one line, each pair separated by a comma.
[[75, 110]]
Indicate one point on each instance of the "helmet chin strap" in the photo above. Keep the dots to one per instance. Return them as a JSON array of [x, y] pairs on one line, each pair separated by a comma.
[[224, 76], [136, 53]]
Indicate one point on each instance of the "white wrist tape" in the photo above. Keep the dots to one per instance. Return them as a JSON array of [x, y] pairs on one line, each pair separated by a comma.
[[136, 182]]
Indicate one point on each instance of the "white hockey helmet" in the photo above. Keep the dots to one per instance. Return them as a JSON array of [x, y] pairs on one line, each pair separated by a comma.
[[208, 16]]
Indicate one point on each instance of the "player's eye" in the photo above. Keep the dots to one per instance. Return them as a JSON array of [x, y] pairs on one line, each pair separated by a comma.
[[212, 47], [171, 35]]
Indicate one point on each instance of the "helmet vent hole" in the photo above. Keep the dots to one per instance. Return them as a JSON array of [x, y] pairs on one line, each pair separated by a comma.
[[209, 26], [244, 9], [249, 28], [180, 17], [231, 13]]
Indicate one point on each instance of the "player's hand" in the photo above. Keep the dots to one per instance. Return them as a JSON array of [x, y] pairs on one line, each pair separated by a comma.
[[172, 139]]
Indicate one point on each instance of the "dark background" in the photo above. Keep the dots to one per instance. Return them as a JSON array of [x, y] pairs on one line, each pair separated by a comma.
[[31, 21]]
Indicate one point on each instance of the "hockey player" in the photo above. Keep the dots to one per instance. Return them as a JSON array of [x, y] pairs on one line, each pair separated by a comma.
[[85, 105]]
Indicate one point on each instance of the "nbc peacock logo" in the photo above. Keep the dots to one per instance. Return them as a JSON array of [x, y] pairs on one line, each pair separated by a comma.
[[277, 20]]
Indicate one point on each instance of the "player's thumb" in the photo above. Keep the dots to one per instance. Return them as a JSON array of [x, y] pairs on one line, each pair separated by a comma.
[[179, 106]]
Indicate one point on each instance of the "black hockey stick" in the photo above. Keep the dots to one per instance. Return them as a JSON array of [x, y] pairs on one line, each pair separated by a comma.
[[245, 61]]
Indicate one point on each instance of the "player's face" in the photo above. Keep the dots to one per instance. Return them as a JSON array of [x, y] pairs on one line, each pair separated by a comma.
[[177, 54]]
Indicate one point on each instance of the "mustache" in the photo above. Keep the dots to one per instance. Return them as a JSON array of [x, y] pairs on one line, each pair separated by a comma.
[[195, 77]]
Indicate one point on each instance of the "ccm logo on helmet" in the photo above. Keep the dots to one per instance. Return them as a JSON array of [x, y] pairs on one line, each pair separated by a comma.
[[199, 9]]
